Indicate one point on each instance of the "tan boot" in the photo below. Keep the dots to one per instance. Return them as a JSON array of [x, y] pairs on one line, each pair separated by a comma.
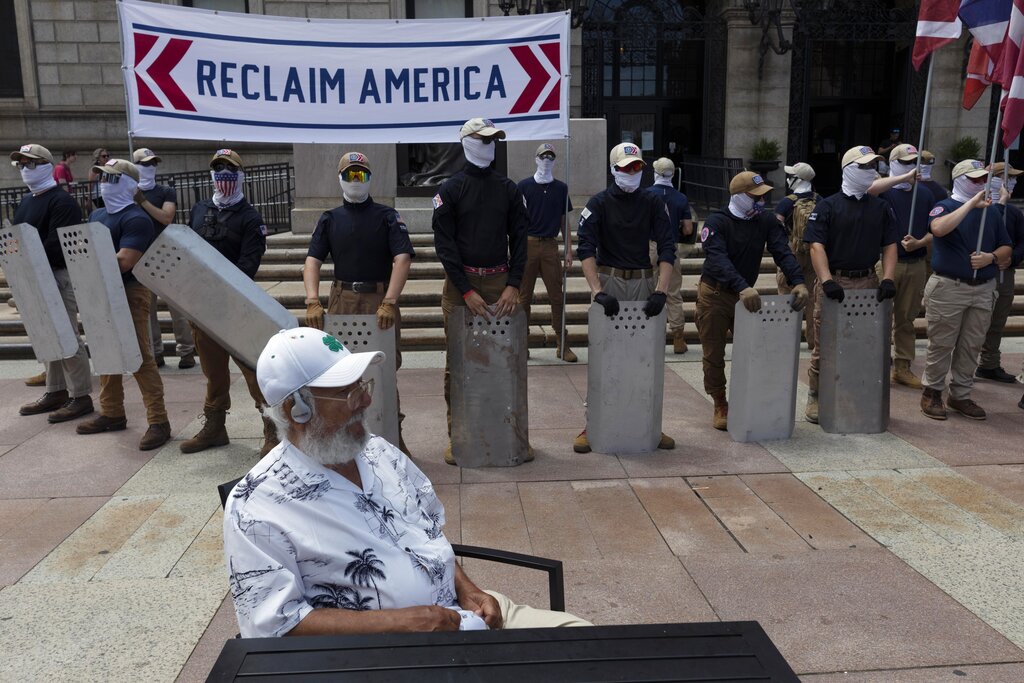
[[212, 434], [37, 380], [448, 457], [721, 419], [666, 443], [581, 444], [678, 342], [270, 439], [901, 374], [811, 413], [568, 356]]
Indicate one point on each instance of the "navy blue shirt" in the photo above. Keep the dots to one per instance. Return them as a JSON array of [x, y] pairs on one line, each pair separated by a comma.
[[130, 228], [951, 253], [900, 201], [546, 203], [1014, 220], [617, 227], [733, 248], [362, 240], [46, 212], [852, 230], [785, 206], [156, 196], [678, 210], [938, 191]]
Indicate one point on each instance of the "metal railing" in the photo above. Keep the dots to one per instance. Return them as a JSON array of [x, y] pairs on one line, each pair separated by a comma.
[[706, 179], [270, 188]]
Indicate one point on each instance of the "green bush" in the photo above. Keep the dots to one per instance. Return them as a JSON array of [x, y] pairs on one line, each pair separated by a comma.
[[966, 147], [766, 150]]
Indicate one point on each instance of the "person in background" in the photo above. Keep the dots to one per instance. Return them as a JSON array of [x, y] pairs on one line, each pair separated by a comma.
[[62, 171]]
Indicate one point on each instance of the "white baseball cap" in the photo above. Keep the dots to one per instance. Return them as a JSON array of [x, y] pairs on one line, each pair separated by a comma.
[[308, 357]]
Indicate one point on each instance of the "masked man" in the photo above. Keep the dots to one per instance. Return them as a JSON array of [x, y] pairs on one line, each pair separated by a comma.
[[235, 229], [681, 222], [793, 211], [372, 253]]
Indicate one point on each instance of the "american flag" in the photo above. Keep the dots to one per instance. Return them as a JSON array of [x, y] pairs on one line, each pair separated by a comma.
[[987, 20], [979, 76], [1011, 75], [937, 24], [226, 182]]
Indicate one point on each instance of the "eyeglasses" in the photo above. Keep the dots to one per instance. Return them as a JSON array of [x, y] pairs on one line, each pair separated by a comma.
[[27, 163], [354, 396], [633, 167], [355, 175], [223, 166], [548, 156]]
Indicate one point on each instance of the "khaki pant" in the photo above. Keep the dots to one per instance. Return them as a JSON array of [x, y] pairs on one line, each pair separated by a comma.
[[803, 258], [214, 360], [636, 289], [147, 376], [867, 282], [524, 616], [910, 278], [490, 288], [716, 311], [958, 317], [990, 356], [74, 373], [542, 259], [186, 346], [674, 301]]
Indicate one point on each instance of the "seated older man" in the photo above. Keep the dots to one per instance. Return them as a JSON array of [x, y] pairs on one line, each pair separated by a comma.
[[336, 530]]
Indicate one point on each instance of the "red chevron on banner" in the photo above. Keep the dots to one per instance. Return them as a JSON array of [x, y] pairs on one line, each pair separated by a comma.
[[539, 78], [160, 72]]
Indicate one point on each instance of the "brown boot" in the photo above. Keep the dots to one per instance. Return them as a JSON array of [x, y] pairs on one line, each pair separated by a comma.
[[568, 357], [102, 423], [47, 403], [448, 457], [581, 444], [966, 407], [901, 374], [37, 380], [270, 439], [187, 361], [74, 408], [212, 434], [721, 419], [678, 342], [931, 404], [156, 436], [666, 443]]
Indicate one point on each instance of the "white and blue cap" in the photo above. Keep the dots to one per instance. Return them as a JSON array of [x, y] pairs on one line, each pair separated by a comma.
[[308, 357], [861, 154]]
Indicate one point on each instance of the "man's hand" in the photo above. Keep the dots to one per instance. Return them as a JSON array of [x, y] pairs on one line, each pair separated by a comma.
[[507, 302], [386, 314], [980, 259], [886, 290], [568, 258], [833, 290], [655, 302], [425, 618], [911, 243], [139, 197], [979, 201], [484, 606], [800, 296], [910, 177], [608, 302], [314, 314], [475, 303], [751, 299], [1004, 195]]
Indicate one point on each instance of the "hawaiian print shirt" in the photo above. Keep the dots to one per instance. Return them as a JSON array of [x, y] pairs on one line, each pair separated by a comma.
[[299, 536]]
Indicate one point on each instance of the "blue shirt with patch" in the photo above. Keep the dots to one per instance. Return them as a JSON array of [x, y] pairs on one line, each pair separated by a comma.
[[678, 210], [900, 201], [130, 228], [546, 203], [951, 253]]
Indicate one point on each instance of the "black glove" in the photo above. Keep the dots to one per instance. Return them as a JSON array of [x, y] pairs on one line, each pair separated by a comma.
[[609, 303], [833, 290], [655, 302], [886, 290]]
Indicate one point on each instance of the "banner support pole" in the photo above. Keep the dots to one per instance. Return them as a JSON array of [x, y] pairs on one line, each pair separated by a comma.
[[920, 144], [568, 243], [988, 183], [124, 75]]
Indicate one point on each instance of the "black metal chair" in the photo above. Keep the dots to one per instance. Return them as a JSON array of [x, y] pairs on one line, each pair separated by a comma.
[[556, 577]]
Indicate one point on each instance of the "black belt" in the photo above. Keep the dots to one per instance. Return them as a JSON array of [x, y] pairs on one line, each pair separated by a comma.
[[361, 287], [910, 259], [625, 273], [970, 282], [853, 273]]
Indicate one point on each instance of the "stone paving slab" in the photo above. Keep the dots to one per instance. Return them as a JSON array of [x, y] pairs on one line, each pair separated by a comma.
[[683, 518], [222, 627], [812, 450], [35, 529], [986, 673], [1007, 480], [170, 470]]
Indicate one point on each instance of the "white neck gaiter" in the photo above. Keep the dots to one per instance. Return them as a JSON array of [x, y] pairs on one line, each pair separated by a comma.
[[354, 192], [1011, 183], [38, 179], [665, 180], [119, 195], [627, 182], [477, 152], [856, 180], [993, 192], [926, 171], [744, 206], [227, 187], [544, 174], [899, 168], [965, 188], [798, 185], [147, 177]]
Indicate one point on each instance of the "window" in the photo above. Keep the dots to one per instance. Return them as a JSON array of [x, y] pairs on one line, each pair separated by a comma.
[[223, 5], [11, 84], [438, 9]]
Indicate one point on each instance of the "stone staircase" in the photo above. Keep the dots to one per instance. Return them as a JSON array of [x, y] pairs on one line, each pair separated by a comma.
[[281, 275]]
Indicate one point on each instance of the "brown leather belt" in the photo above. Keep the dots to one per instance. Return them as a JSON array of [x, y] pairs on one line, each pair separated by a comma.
[[493, 270], [634, 274]]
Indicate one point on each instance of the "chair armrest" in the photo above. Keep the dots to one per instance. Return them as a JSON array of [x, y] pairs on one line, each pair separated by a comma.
[[556, 577]]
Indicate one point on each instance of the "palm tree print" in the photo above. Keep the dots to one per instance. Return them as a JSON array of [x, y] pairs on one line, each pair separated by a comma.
[[365, 569], [247, 486], [385, 517], [339, 597]]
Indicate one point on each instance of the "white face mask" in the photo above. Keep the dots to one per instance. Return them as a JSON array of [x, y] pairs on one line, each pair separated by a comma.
[[228, 186], [627, 182], [1011, 183], [926, 171], [997, 182], [665, 180], [744, 206], [354, 192], [119, 195], [544, 173], [147, 177], [899, 168], [38, 179], [857, 180], [798, 185], [965, 188], [477, 152]]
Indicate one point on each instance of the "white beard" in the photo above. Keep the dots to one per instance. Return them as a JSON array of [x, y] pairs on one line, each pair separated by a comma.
[[337, 448]]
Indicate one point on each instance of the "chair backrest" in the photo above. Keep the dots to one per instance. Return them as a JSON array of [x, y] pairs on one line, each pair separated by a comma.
[[225, 490]]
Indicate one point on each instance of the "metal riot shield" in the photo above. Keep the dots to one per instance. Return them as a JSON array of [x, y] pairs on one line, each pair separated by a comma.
[[359, 333], [39, 301], [102, 303], [765, 363], [625, 379], [853, 382], [487, 362], [189, 274]]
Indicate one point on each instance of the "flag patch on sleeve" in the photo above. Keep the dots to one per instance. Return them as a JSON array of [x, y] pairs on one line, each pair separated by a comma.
[[437, 201], [936, 211], [585, 214], [704, 234]]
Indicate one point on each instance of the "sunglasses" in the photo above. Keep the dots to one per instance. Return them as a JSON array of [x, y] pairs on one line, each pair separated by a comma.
[[633, 167], [354, 396], [147, 164], [873, 165], [112, 178], [486, 141], [548, 156], [355, 175], [27, 163], [223, 166], [104, 156]]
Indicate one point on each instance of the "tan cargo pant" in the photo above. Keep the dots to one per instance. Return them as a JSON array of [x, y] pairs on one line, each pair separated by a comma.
[[716, 311], [74, 373], [542, 259], [866, 282], [674, 303], [810, 280], [990, 356], [910, 278], [958, 316], [214, 360]]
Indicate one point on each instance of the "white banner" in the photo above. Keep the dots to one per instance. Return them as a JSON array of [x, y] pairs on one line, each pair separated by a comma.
[[198, 74]]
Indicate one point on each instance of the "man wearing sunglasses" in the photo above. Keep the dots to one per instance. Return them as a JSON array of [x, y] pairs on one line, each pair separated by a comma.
[[46, 208], [235, 228], [369, 244], [132, 232], [615, 230], [845, 233], [480, 226]]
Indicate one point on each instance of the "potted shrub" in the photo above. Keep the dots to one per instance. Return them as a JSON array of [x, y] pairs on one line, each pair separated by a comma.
[[764, 158], [966, 147]]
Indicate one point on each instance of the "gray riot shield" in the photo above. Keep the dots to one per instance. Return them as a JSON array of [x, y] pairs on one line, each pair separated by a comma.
[[190, 275], [39, 301], [625, 379], [853, 384], [765, 363], [102, 303], [487, 362], [359, 333]]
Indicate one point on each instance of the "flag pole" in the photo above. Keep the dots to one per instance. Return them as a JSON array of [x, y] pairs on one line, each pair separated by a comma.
[[920, 145], [988, 183], [1006, 176], [568, 243]]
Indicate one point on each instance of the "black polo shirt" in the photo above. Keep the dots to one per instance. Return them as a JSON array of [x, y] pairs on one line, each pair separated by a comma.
[[951, 253], [547, 204], [46, 212], [157, 196], [1014, 220], [617, 227], [852, 230], [733, 248], [362, 239], [900, 201], [237, 232], [130, 228]]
